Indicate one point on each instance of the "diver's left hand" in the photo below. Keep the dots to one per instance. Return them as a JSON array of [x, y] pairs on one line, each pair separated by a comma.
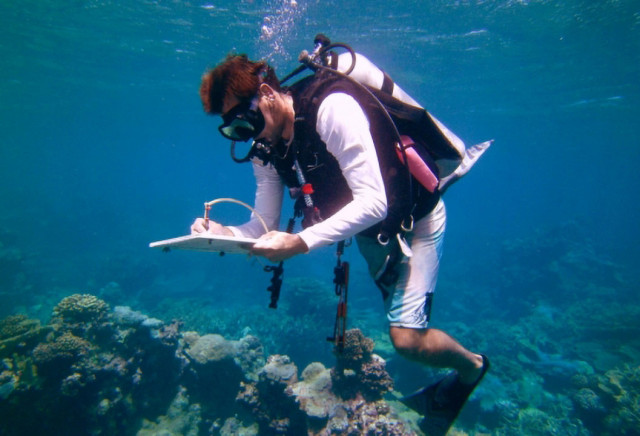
[[277, 246]]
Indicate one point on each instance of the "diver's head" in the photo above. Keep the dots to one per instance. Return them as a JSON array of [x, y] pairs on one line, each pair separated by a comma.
[[235, 89]]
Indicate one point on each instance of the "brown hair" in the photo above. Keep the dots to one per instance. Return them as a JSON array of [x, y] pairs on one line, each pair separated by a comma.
[[236, 76]]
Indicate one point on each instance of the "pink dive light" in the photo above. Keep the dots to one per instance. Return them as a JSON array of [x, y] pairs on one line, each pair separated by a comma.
[[417, 166]]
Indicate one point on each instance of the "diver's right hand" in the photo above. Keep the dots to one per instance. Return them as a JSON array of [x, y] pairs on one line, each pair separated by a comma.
[[200, 225]]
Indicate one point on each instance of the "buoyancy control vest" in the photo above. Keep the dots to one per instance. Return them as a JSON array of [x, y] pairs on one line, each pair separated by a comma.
[[397, 122], [405, 200]]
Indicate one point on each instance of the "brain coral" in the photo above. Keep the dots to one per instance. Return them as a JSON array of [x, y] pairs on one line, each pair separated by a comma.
[[78, 308], [211, 348]]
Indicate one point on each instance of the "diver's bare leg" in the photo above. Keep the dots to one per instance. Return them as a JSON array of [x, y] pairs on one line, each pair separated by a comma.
[[436, 348]]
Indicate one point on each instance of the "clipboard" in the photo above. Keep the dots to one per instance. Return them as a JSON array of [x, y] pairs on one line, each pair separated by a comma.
[[206, 242]]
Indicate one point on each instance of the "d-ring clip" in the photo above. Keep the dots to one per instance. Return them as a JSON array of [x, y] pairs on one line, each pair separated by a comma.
[[408, 228]]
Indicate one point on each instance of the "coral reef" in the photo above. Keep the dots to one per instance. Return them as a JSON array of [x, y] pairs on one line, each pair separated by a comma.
[[535, 422], [110, 375], [328, 413], [282, 404], [267, 401], [214, 374], [357, 350], [17, 326], [96, 370], [19, 332], [60, 354], [80, 308], [358, 370], [304, 306], [615, 398], [181, 419], [558, 320]]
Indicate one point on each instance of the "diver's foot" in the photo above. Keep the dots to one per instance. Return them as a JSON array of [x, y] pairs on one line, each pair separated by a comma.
[[441, 402], [471, 377]]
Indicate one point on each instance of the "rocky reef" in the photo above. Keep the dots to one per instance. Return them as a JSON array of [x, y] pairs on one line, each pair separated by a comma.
[[97, 370]]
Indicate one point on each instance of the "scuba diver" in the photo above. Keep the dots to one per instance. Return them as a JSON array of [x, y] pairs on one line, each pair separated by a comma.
[[344, 140]]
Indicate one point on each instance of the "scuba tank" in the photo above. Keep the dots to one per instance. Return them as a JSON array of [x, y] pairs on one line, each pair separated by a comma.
[[452, 160], [435, 156], [368, 74]]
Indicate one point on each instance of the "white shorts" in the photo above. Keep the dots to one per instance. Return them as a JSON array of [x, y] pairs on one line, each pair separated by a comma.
[[408, 303]]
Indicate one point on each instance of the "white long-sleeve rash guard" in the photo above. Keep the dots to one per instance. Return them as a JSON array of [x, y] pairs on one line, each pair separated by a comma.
[[344, 128]]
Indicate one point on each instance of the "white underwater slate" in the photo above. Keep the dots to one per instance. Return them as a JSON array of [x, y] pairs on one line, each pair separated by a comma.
[[207, 242]]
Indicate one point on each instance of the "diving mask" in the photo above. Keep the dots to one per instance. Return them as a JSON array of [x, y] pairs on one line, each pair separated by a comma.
[[243, 121]]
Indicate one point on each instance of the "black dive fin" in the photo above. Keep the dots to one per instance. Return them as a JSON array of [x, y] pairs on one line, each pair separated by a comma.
[[441, 402]]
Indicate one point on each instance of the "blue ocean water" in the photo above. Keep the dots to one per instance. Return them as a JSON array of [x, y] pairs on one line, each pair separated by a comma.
[[105, 148]]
